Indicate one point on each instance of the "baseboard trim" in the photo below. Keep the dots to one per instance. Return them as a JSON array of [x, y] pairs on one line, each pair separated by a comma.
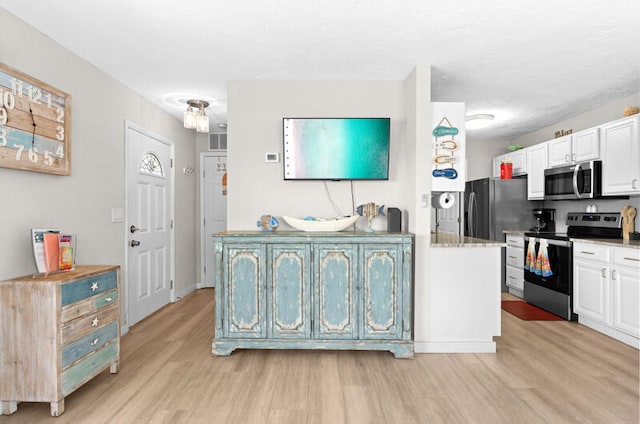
[[455, 347]]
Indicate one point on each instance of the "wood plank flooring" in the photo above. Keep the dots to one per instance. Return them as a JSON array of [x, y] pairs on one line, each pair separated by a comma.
[[543, 372]]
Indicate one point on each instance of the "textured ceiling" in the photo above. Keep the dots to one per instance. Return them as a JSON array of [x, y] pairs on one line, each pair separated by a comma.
[[530, 63]]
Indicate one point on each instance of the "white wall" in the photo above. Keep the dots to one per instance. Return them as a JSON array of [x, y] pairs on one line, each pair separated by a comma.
[[82, 203], [255, 113]]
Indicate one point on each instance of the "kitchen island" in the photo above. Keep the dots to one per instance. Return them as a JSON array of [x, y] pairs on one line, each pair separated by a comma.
[[464, 296]]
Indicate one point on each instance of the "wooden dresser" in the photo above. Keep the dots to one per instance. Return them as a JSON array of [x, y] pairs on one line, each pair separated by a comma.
[[296, 290], [57, 333]]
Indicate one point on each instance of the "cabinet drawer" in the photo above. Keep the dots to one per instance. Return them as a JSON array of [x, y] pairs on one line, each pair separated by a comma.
[[515, 241], [626, 257], [592, 252], [515, 257], [88, 287], [89, 322], [87, 306], [79, 373], [88, 343], [515, 278]]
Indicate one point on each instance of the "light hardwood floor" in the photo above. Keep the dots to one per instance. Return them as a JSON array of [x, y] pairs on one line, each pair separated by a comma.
[[543, 372]]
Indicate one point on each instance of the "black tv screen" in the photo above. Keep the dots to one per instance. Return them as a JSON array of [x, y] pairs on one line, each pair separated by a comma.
[[336, 148]]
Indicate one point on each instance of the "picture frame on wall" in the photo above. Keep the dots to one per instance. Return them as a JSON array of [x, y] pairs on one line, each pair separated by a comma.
[[35, 124]]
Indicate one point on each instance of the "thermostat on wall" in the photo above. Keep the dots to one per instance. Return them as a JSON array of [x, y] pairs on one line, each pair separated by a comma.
[[271, 157]]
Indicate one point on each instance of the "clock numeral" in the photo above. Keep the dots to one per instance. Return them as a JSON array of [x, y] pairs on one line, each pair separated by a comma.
[[3, 116], [16, 86], [60, 152], [19, 152], [33, 155], [7, 100], [60, 133], [60, 117], [3, 137], [34, 94], [48, 159]]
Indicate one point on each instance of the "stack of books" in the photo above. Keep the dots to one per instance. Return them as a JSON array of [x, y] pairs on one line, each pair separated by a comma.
[[53, 251]]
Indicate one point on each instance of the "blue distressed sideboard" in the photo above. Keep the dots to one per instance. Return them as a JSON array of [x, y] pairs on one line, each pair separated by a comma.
[[300, 290]]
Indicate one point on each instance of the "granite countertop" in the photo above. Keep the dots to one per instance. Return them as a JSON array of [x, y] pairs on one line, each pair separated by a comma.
[[516, 232], [633, 244], [455, 240]]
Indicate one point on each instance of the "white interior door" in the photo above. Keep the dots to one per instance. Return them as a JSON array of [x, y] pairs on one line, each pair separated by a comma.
[[213, 199], [149, 223]]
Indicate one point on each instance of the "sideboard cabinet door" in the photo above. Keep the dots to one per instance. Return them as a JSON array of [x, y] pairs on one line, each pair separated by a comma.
[[382, 293], [245, 302], [334, 317], [289, 316]]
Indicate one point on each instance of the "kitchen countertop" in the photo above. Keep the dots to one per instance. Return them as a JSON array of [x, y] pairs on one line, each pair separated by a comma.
[[633, 244], [455, 240], [516, 232]]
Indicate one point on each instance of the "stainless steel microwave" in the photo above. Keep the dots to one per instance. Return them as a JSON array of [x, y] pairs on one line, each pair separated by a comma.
[[578, 181]]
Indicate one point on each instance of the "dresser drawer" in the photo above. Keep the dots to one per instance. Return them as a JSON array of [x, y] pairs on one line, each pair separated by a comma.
[[78, 374], [515, 257], [87, 306], [89, 322], [626, 257], [88, 287], [590, 251], [515, 278], [79, 348]]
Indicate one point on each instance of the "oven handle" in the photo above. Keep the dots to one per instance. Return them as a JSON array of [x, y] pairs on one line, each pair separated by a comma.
[[576, 170], [553, 242]]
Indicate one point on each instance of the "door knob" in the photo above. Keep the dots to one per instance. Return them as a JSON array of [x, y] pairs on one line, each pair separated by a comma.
[[133, 229], [134, 243]]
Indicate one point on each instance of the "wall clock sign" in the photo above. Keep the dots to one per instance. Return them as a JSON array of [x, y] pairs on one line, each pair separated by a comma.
[[35, 124]]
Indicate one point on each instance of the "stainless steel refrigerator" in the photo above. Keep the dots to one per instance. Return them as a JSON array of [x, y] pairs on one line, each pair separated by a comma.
[[492, 206]]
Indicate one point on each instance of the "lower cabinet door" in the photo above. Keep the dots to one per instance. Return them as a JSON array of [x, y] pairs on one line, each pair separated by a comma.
[[382, 292], [335, 296], [626, 292], [289, 315], [245, 302], [591, 290]]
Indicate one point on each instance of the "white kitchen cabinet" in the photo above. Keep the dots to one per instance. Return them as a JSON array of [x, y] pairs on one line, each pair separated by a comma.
[[537, 162], [579, 147], [514, 264], [517, 158], [625, 288], [621, 157], [606, 290]]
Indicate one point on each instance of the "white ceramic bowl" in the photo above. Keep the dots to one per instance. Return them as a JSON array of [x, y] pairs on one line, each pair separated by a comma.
[[323, 225]]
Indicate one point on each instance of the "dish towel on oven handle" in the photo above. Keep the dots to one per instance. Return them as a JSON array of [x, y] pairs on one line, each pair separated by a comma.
[[542, 261], [530, 260]]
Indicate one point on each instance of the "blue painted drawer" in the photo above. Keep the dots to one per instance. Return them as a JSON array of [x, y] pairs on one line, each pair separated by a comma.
[[88, 287], [88, 343], [80, 372]]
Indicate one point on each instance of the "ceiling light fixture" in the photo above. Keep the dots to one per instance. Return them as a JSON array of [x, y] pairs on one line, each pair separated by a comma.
[[194, 116], [474, 122]]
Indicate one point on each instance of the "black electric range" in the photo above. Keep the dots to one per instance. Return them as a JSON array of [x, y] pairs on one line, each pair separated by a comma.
[[548, 271]]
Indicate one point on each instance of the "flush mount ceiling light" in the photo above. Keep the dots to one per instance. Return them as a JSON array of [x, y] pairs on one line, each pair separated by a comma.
[[474, 122], [194, 116]]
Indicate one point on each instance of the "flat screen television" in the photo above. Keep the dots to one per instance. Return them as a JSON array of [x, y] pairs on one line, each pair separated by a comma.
[[336, 148]]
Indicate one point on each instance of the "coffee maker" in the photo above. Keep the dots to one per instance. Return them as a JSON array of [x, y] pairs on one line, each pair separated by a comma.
[[544, 220]]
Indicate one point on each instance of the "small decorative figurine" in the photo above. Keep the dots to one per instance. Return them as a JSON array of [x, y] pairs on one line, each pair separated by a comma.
[[267, 223], [370, 211]]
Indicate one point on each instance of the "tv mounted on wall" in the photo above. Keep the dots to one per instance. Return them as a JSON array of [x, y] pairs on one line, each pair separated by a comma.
[[336, 148]]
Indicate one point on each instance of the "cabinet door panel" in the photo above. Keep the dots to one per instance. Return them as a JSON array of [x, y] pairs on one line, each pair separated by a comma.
[[591, 290], [621, 157], [335, 292], [382, 293], [245, 315], [290, 292], [626, 292]]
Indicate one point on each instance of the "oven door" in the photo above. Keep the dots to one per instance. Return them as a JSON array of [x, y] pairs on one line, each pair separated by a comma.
[[556, 271]]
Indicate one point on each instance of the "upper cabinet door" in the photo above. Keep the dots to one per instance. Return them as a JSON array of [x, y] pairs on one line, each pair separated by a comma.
[[621, 157], [560, 151], [537, 157], [585, 145]]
